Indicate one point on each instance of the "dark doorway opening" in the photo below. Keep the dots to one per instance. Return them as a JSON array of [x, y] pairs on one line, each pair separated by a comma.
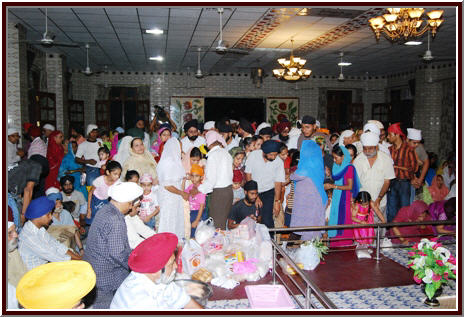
[[338, 111], [253, 109]]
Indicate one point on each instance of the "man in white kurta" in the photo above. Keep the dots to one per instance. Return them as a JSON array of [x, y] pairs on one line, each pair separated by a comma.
[[150, 284], [375, 170]]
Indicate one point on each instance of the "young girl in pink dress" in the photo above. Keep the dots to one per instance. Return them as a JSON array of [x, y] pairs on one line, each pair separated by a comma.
[[361, 213]]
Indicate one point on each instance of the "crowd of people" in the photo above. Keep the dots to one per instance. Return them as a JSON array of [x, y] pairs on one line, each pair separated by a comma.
[[125, 199]]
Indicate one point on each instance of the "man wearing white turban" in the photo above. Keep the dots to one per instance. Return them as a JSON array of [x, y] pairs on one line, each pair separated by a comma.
[[13, 153], [413, 140], [375, 128], [87, 154], [375, 170]]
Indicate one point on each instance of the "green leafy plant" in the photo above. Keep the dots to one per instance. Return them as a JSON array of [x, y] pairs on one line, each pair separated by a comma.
[[433, 265], [319, 245]]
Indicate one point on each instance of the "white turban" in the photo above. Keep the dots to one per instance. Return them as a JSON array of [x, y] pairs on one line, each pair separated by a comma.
[[52, 190], [369, 139], [125, 192], [318, 124], [232, 121], [262, 126], [209, 125], [10, 223], [48, 126], [345, 134], [91, 127], [414, 134], [377, 123], [371, 127], [12, 131]]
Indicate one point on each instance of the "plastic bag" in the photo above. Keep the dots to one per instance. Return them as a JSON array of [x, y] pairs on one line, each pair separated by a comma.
[[262, 233], [307, 254], [216, 243], [193, 257], [265, 252], [205, 230], [249, 225]]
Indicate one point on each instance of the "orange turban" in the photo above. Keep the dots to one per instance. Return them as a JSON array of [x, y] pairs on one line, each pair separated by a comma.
[[197, 169]]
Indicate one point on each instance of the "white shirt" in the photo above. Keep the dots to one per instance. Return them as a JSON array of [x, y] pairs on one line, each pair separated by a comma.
[[137, 231], [264, 173], [372, 178], [77, 198], [187, 144], [218, 170], [89, 150], [12, 300], [234, 143], [139, 292], [12, 157]]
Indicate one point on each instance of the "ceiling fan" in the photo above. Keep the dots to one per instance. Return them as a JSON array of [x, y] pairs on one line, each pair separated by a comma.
[[341, 77], [48, 38], [199, 74], [222, 48], [87, 70], [428, 57]]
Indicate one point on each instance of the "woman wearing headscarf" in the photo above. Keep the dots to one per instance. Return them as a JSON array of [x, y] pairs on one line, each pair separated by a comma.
[[70, 167], [416, 212], [55, 154], [123, 151], [444, 210], [164, 133], [170, 196], [139, 160], [438, 189], [346, 187], [309, 198]]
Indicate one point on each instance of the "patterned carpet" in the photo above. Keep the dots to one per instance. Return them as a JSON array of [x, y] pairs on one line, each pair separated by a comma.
[[402, 297]]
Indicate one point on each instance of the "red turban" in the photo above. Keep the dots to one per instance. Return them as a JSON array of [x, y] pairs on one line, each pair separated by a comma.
[[395, 128], [153, 254], [34, 131], [238, 177], [282, 125], [27, 125]]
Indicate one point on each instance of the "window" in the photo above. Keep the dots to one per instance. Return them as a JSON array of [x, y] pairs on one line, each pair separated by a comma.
[[47, 108], [76, 113]]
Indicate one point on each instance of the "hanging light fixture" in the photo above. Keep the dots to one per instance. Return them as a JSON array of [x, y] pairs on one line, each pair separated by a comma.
[[406, 23], [292, 68]]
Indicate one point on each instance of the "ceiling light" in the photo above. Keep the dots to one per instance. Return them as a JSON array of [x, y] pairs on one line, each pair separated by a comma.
[[405, 23], [304, 12], [157, 58], [292, 68], [413, 43], [154, 31], [344, 64]]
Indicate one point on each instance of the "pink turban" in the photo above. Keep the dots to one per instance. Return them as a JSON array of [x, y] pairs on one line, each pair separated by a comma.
[[212, 136]]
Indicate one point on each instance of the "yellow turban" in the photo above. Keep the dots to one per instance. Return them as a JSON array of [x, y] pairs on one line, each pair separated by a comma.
[[56, 285], [203, 149], [197, 169]]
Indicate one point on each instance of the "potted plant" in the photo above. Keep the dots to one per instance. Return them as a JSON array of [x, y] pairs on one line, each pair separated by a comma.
[[433, 266]]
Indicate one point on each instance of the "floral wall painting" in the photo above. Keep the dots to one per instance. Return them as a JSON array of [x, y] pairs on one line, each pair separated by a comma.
[[187, 108], [280, 108]]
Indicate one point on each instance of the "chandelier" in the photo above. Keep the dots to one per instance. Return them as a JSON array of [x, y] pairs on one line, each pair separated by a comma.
[[292, 68], [406, 22]]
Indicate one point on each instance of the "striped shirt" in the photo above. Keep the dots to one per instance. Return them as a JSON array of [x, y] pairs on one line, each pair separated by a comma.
[[38, 146], [404, 157], [36, 247]]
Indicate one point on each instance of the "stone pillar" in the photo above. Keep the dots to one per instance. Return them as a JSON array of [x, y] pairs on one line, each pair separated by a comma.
[[55, 80], [428, 108], [16, 76]]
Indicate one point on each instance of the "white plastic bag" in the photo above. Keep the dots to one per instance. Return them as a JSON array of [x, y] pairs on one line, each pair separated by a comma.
[[205, 230], [307, 254], [262, 233], [193, 257]]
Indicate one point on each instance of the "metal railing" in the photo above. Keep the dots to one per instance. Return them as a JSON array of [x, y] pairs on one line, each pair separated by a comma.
[[310, 287]]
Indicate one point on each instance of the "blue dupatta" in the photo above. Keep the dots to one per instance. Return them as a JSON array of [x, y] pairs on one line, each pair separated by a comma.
[[311, 165], [338, 207], [67, 164]]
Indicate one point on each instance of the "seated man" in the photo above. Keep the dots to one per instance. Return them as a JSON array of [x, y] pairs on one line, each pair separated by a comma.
[[245, 207], [58, 285], [62, 220], [36, 246], [150, 284], [70, 194]]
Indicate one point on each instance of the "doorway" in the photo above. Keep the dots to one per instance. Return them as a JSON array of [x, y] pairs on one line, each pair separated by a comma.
[[342, 113], [218, 108]]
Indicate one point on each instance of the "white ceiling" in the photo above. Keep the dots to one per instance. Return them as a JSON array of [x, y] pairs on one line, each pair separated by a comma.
[[119, 42]]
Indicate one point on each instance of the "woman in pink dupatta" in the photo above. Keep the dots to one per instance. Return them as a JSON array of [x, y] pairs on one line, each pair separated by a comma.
[[416, 212]]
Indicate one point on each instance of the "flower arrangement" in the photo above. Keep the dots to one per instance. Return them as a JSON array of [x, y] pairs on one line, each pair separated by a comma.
[[433, 265]]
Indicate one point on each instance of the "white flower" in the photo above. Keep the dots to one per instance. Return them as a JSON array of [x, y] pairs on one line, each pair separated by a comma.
[[443, 253], [424, 242], [428, 276], [450, 266], [419, 262]]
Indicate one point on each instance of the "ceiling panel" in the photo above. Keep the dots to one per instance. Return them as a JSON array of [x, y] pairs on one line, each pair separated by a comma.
[[200, 26]]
